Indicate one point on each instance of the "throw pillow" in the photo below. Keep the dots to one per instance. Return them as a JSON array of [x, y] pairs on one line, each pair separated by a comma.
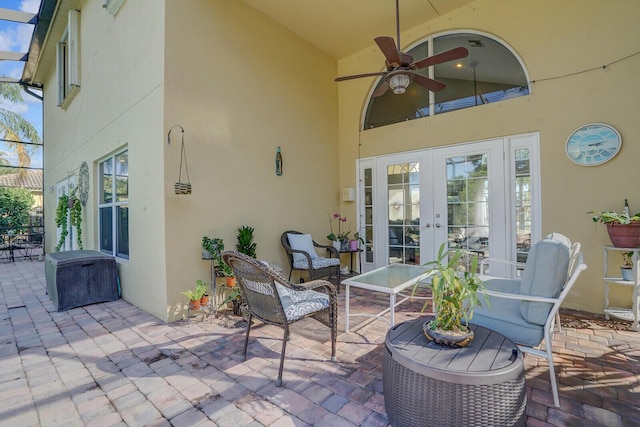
[[302, 242]]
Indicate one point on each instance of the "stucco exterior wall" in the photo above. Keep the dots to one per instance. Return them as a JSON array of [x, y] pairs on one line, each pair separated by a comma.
[[120, 104], [241, 85], [554, 38]]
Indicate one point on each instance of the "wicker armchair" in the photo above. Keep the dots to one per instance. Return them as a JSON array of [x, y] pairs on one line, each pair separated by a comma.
[[271, 298], [316, 266]]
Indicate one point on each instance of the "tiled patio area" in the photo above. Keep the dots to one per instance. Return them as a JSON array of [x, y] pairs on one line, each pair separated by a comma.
[[113, 364]]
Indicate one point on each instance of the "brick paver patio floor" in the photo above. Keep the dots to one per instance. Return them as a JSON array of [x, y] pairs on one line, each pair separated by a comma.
[[113, 364]]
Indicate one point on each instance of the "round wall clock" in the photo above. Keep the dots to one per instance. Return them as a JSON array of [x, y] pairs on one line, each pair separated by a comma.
[[593, 144]]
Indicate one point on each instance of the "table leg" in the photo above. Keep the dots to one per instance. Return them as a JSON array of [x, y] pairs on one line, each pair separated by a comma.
[[392, 307], [346, 308]]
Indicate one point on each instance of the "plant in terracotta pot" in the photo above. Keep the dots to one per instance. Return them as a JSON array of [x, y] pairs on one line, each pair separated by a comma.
[[455, 295], [194, 297], [623, 229], [202, 288], [227, 273]]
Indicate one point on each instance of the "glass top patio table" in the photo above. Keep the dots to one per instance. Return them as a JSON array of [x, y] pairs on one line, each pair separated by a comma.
[[391, 279]]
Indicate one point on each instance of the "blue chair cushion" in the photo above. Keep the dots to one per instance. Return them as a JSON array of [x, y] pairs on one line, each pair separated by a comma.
[[504, 316], [298, 304], [302, 242], [544, 275], [316, 263]]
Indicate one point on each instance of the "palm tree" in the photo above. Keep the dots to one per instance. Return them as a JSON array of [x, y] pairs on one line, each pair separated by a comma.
[[15, 128]]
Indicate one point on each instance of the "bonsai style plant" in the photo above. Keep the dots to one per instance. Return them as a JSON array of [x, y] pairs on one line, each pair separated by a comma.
[[245, 244], [623, 228], [626, 268], [455, 295]]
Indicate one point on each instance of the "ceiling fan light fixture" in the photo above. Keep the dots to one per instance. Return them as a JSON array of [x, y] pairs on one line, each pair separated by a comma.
[[399, 83]]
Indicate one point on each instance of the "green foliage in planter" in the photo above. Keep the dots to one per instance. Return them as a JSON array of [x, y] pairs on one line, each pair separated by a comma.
[[214, 246], [61, 219], [612, 217], [455, 293], [198, 292], [245, 244], [75, 215]]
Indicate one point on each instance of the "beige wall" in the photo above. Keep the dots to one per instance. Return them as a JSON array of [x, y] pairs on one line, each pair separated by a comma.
[[119, 105], [554, 38], [241, 85]]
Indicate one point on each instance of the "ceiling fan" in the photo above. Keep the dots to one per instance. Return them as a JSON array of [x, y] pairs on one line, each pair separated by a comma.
[[401, 68]]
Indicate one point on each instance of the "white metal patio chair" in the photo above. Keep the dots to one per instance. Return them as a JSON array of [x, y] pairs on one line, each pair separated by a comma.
[[525, 309]]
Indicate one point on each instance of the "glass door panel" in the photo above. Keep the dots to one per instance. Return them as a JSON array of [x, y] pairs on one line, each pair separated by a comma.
[[468, 203], [368, 215], [403, 212]]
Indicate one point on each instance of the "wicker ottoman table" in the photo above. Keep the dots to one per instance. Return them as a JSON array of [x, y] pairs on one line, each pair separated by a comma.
[[77, 278], [426, 384]]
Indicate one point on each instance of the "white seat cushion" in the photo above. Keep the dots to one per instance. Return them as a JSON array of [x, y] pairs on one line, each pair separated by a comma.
[[316, 263]]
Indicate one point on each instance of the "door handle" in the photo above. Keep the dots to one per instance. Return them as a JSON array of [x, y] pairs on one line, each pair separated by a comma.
[[427, 226], [437, 224]]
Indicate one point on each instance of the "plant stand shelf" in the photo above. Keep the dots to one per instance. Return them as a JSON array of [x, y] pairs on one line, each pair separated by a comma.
[[629, 314]]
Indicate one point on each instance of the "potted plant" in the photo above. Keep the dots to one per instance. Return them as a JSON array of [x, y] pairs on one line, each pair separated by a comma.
[[227, 273], [341, 238], [202, 288], [194, 297], [354, 243], [211, 248], [69, 209], [623, 229], [245, 244], [626, 268], [455, 295]]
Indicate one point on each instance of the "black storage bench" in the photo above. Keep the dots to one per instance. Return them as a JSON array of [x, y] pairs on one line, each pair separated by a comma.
[[77, 278]]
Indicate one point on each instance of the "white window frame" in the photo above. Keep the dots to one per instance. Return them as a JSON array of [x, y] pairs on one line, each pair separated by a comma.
[[68, 60], [113, 204]]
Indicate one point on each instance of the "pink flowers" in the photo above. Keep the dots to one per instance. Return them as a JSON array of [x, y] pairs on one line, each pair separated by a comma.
[[340, 235]]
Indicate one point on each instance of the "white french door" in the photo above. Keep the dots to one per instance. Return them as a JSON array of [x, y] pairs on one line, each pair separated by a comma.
[[478, 196]]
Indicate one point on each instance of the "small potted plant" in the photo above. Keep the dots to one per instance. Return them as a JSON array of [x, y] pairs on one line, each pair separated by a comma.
[[627, 266], [211, 248], [341, 238], [194, 297], [354, 244], [202, 288], [623, 229], [227, 273], [455, 295]]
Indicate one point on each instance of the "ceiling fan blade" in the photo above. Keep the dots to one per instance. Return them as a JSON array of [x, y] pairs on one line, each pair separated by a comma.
[[449, 55], [357, 76], [381, 90], [427, 83], [388, 48]]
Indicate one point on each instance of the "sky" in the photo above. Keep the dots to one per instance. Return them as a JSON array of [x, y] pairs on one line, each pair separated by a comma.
[[16, 37]]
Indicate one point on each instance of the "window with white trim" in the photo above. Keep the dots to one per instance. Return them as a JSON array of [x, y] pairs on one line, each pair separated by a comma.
[[68, 60], [113, 206]]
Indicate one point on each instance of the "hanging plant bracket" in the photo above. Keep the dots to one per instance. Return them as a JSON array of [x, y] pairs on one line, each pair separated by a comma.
[[181, 187]]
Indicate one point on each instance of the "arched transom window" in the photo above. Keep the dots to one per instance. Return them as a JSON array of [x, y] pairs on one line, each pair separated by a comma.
[[490, 73]]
